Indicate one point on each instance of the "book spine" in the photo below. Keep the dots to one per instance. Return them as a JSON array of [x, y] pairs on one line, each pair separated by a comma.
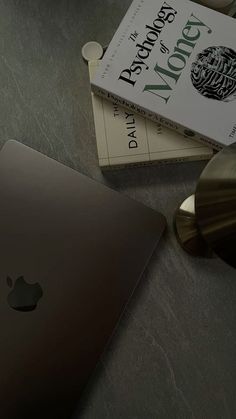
[[155, 162], [156, 117]]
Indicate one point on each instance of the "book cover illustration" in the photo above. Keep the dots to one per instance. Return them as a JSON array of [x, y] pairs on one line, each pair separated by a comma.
[[213, 73]]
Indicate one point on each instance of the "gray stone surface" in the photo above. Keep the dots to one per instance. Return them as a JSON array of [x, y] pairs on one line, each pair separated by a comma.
[[174, 352]]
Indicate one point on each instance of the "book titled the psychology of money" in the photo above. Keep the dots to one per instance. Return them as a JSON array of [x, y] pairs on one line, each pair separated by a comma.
[[126, 138], [175, 63]]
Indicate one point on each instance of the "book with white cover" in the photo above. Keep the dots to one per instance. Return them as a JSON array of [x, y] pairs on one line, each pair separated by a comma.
[[126, 138], [175, 62]]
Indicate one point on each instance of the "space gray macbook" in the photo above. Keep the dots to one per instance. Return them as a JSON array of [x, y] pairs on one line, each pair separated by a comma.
[[71, 254]]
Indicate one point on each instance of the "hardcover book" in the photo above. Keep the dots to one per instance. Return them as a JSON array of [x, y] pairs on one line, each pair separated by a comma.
[[126, 138], [175, 63]]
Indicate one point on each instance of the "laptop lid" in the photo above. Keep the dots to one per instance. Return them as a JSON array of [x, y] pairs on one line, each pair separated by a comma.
[[72, 251]]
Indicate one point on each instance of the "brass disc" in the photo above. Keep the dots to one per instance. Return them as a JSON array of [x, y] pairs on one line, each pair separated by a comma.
[[215, 204], [187, 231]]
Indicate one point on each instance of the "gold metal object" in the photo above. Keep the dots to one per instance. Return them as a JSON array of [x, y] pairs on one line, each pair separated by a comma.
[[215, 204], [187, 230]]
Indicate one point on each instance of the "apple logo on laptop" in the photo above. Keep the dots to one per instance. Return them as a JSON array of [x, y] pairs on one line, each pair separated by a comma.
[[24, 296]]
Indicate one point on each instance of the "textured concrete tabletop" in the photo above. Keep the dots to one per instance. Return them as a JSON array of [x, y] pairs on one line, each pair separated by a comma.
[[174, 352]]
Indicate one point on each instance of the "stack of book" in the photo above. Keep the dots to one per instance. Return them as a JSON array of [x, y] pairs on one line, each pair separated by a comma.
[[169, 75]]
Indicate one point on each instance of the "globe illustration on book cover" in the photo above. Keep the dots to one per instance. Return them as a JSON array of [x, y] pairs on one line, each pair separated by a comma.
[[213, 73]]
